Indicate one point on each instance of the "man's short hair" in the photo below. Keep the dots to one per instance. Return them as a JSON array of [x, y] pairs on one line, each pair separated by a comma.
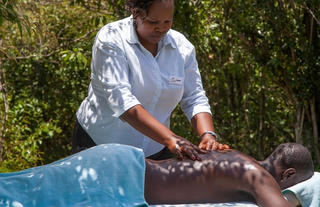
[[293, 155]]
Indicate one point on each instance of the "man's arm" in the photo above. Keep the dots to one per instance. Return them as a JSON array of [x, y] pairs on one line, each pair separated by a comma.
[[291, 198]]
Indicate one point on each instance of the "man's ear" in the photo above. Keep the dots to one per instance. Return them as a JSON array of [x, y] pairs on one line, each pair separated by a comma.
[[288, 173]]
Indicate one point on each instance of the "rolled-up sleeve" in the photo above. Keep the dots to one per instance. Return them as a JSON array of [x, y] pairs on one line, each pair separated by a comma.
[[194, 99], [110, 78]]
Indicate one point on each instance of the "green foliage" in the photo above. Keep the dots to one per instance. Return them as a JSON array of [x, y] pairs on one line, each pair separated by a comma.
[[259, 62], [9, 11], [27, 132], [47, 75]]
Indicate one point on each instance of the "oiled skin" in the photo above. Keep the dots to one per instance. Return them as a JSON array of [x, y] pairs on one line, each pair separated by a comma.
[[221, 176]]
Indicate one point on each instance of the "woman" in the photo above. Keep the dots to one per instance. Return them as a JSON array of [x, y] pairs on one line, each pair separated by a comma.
[[141, 70]]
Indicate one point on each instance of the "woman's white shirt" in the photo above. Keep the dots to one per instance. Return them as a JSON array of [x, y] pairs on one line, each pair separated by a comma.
[[124, 74]]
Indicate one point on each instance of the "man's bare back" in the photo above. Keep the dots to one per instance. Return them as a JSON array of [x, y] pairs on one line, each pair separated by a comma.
[[221, 176]]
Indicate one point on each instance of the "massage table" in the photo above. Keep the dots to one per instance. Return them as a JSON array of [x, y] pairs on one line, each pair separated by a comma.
[[88, 178]]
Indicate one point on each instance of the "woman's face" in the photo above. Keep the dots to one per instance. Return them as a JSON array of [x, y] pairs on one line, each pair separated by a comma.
[[156, 24]]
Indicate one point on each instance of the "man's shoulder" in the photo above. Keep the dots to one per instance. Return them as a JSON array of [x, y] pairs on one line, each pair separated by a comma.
[[228, 155]]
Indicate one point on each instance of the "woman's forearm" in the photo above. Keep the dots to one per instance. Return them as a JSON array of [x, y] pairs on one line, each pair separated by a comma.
[[143, 121], [202, 122]]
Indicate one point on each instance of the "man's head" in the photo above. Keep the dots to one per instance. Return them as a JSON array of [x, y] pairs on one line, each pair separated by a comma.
[[289, 164]]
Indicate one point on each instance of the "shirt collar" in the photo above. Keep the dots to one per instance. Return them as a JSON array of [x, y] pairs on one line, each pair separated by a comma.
[[133, 37], [168, 40]]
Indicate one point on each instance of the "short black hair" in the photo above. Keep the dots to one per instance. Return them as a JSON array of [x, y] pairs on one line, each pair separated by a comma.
[[293, 155], [141, 6]]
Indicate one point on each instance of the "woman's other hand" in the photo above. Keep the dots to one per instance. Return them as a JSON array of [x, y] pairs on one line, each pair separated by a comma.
[[209, 142]]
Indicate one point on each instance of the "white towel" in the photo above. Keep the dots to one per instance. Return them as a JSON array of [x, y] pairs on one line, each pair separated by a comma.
[[308, 191], [102, 176]]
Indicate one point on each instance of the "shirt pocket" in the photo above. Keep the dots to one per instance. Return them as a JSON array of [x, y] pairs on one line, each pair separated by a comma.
[[176, 81], [173, 90]]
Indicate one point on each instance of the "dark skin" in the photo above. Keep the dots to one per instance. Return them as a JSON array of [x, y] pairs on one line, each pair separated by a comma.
[[285, 176], [221, 176], [151, 27], [288, 173]]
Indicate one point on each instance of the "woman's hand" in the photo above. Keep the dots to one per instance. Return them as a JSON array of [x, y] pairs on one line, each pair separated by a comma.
[[209, 142], [143, 121], [202, 123], [184, 148]]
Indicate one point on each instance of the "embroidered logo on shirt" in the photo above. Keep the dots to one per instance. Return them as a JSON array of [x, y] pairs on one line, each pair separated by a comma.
[[176, 80]]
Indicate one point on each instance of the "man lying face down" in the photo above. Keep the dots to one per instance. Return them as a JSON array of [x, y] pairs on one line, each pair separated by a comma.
[[290, 164], [119, 175], [227, 176]]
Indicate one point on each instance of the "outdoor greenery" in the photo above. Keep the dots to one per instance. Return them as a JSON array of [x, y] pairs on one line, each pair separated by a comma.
[[259, 61]]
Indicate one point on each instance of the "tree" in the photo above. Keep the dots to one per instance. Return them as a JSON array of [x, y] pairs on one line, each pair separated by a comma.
[[8, 14], [283, 38], [259, 62], [46, 78]]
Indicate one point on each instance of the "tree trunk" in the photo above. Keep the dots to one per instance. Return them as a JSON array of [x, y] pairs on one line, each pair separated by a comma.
[[315, 129], [4, 117], [299, 123], [245, 102], [261, 116]]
